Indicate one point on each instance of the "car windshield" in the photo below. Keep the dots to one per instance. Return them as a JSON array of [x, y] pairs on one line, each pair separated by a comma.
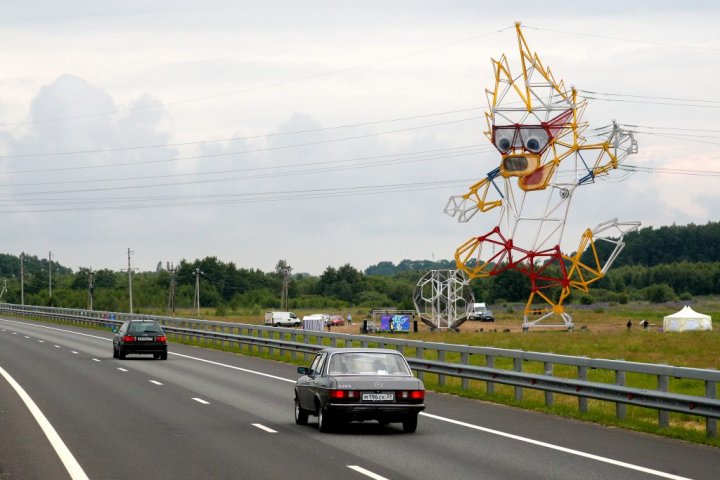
[[144, 328], [368, 363]]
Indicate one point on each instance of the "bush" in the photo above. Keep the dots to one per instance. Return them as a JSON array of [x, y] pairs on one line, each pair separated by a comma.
[[659, 293], [685, 296], [587, 300]]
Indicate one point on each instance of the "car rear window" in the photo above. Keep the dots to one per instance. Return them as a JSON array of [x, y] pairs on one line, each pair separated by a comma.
[[368, 363], [144, 328]]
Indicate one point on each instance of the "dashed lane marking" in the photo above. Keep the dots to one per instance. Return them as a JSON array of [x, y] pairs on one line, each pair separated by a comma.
[[264, 428]]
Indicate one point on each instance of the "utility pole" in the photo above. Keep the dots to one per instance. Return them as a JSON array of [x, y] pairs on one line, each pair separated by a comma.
[[173, 284], [50, 274], [22, 278], [284, 299], [91, 288], [4, 289], [130, 252], [197, 292]]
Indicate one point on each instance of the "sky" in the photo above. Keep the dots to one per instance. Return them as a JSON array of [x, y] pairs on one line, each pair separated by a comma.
[[324, 132]]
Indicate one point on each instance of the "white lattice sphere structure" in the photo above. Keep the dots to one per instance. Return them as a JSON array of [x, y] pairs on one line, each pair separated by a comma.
[[442, 297]]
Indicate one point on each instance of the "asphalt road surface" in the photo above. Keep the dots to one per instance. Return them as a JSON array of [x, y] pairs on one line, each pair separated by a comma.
[[69, 410]]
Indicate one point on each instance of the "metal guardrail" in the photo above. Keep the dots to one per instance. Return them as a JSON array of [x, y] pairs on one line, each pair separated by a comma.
[[447, 360]]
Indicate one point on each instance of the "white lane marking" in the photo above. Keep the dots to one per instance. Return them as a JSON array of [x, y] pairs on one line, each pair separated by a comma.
[[436, 417], [122, 369], [200, 400], [56, 346], [367, 473], [263, 427], [155, 382], [234, 367], [95, 359], [591, 456], [26, 336], [71, 465], [41, 341], [77, 353]]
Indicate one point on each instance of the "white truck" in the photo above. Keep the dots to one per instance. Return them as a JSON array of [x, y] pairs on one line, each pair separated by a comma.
[[282, 319], [478, 311]]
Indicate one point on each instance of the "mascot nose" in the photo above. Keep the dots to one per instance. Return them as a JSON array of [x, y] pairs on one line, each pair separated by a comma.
[[515, 163], [519, 165]]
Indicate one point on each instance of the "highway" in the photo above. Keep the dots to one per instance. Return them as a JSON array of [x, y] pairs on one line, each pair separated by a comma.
[[205, 414]]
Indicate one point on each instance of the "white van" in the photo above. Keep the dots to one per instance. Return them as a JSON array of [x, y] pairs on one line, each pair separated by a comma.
[[478, 311], [282, 319]]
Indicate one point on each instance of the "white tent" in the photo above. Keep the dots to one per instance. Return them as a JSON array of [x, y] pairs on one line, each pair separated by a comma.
[[685, 320]]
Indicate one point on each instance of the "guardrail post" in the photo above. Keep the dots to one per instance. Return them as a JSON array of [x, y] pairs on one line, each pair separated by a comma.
[[548, 367], [420, 353], [306, 340], [711, 423], [293, 338], [490, 363], [518, 363], [465, 360], [620, 408], [582, 401], [441, 377], [333, 342], [270, 336], [663, 415]]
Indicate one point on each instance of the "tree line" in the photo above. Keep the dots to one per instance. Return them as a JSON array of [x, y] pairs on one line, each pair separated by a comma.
[[657, 265]]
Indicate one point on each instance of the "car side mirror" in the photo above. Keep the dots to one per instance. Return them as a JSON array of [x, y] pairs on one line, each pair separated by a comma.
[[304, 370], [114, 329]]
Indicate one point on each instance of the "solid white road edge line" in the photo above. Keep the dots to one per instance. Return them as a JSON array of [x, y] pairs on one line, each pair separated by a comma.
[[71, 465], [263, 427], [436, 417], [557, 447], [367, 473]]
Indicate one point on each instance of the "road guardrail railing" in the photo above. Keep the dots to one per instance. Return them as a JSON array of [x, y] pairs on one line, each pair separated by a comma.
[[519, 369]]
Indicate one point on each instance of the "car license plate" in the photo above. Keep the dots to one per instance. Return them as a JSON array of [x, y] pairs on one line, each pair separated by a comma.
[[145, 339], [378, 397]]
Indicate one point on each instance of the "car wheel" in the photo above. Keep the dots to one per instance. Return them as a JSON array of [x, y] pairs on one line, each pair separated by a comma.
[[121, 354], [410, 424], [301, 415], [325, 422], [115, 352], [163, 356]]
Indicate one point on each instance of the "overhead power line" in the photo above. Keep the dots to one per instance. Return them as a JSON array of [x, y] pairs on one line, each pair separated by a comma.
[[623, 39], [257, 197], [233, 139], [283, 170], [270, 85], [255, 150]]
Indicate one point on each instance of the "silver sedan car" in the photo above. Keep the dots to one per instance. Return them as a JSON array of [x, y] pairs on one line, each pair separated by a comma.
[[358, 384]]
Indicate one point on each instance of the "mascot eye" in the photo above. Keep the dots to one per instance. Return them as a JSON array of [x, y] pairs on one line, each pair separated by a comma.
[[504, 140], [532, 144], [534, 139]]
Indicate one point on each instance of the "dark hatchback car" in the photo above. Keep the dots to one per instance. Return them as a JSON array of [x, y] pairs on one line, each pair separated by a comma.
[[140, 336], [358, 384]]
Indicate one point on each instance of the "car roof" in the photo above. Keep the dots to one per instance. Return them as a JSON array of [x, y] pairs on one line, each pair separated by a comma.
[[332, 350]]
